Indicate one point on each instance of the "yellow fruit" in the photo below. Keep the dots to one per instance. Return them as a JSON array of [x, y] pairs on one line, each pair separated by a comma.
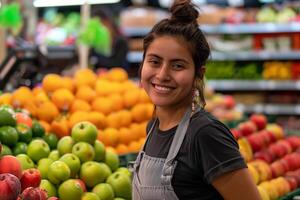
[[79, 104], [254, 174], [85, 93], [52, 82], [117, 102], [78, 116], [103, 87], [5, 98], [47, 111], [245, 149], [263, 169], [103, 105], [98, 119], [276, 130], [125, 118], [62, 98], [270, 189], [40, 98], [37, 90], [113, 120], [117, 74], [85, 77], [131, 98], [144, 98], [263, 193], [68, 83], [110, 137]]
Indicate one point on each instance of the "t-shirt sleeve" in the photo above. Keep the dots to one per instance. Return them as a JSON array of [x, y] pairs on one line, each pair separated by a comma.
[[218, 150]]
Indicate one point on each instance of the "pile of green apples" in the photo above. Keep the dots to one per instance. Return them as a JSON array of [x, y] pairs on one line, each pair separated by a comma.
[[82, 169]]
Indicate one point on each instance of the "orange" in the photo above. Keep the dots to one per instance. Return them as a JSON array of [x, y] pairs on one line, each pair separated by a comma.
[[121, 149], [46, 125], [79, 104], [102, 104], [112, 149], [68, 83], [130, 85], [62, 98], [36, 90], [40, 98], [113, 120], [134, 146], [144, 98], [47, 111], [31, 107], [117, 102], [110, 137], [5, 98], [52, 82], [125, 136], [139, 113], [143, 127], [78, 116], [85, 93], [125, 118], [60, 127], [150, 111], [131, 97], [103, 87], [85, 77], [98, 119], [21, 96], [135, 131], [117, 74]]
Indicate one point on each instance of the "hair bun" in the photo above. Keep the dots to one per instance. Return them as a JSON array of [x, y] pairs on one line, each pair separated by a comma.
[[184, 11]]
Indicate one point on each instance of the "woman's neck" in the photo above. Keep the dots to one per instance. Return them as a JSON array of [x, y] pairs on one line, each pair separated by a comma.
[[170, 117]]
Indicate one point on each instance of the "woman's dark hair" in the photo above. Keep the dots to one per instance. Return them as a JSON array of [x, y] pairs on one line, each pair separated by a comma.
[[183, 24]]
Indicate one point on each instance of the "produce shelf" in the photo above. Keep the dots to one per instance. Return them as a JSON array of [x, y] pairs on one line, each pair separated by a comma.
[[254, 85], [270, 109], [136, 56], [244, 28]]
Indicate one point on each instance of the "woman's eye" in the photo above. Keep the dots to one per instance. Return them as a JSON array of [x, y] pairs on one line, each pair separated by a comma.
[[178, 66], [153, 62]]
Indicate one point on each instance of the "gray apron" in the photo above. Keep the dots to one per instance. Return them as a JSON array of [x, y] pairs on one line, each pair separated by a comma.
[[152, 176]]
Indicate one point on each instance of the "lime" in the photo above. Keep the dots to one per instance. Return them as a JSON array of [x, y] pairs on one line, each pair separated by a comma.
[[37, 129], [5, 150], [7, 116], [8, 135], [20, 148], [51, 140], [25, 133]]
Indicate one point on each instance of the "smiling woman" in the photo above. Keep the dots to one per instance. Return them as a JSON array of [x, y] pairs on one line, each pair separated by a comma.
[[188, 154]]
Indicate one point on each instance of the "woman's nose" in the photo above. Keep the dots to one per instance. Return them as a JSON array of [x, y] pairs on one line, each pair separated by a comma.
[[163, 72]]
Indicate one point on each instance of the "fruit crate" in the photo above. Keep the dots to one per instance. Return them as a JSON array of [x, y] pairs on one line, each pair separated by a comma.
[[295, 195], [126, 158]]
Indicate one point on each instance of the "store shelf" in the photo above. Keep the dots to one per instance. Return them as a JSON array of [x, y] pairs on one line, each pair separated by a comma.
[[270, 109], [254, 85], [245, 28], [136, 56]]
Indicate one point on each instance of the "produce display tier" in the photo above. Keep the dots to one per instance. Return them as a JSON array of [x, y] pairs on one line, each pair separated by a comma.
[[136, 56], [271, 109], [254, 85], [229, 29]]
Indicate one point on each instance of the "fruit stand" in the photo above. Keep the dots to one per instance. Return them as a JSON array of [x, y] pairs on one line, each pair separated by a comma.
[[72, 136]]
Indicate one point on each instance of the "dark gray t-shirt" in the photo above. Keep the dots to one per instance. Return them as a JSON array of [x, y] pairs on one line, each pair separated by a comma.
[[208, 151]]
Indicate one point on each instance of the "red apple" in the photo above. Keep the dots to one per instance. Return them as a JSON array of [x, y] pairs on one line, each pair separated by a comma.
[[53, 198], [278, 150], [10, 186], [10, 164], [292, 182], [229, 101], [30, 178], [286, 145], [264, 155], [32, 193], [236, 133], [277, 169], [267, 136], [81, 184], [256, 142], [259, 120], [293, 161], [294, 141], [247, 128]]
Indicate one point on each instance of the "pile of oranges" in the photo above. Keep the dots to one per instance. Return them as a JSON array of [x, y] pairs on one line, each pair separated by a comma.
[[116, 105]]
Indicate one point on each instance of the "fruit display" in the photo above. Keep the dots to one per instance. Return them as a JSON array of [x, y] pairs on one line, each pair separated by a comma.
[[273, 158]]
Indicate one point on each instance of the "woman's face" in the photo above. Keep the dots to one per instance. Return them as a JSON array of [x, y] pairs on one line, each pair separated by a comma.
[[168, 72]]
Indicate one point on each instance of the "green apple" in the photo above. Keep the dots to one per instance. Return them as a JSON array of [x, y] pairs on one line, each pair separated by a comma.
[[121, 184], [84, 132], [20, 148], [73, 163], [43, 167], [104, 191], [112, 160], [25, 133], [5, 150], [92, 173], [49, 187], [125, 171], [38, 149], [99, 151], [65, 145], [70, 189], [58, 172], [90, 196], [119, 198], [54, 155], [25, 161], [51, 140], [84, 151]]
